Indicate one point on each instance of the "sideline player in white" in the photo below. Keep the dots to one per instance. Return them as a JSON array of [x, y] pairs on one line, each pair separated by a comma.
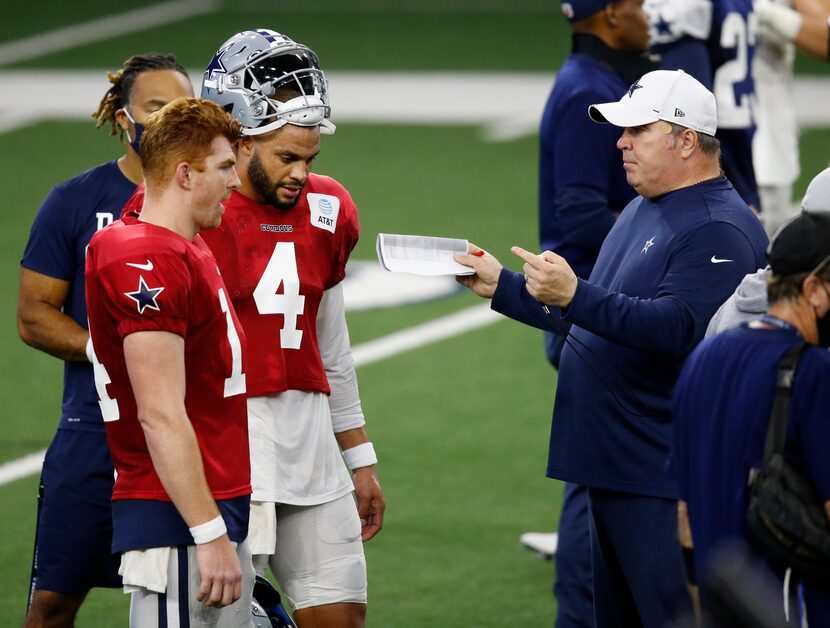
[[775, 147], [282, 247], [775, 144]]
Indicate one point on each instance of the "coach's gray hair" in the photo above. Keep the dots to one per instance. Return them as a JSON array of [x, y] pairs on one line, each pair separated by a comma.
[[709, 144]]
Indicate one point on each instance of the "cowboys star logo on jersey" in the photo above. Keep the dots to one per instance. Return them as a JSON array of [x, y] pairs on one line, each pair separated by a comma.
[[145, 297]]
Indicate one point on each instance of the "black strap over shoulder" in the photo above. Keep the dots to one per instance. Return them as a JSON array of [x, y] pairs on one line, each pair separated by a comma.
[[780, 416], [785, 518]]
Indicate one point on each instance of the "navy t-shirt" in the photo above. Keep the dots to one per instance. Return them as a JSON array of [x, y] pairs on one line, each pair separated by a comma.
[[721, 411], [65, 222], [664, 269], [581, 179]]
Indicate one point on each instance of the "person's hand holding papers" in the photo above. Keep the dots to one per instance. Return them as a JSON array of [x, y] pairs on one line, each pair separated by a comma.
[[486, 268], [548, 277]]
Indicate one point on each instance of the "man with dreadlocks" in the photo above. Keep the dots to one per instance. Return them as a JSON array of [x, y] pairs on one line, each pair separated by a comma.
[[74, 528]]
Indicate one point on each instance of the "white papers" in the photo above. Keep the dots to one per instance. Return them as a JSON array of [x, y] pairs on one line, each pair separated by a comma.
[[421, 255]]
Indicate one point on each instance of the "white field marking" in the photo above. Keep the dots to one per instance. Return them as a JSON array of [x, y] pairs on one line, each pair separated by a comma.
[[372, 351], [384, 7], [418, 98], [424, 334], [22, 467], [369, 286], [103, 28]]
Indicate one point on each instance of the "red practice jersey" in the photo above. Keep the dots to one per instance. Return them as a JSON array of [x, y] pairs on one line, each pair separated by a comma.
[[142, 277], [276, 264]]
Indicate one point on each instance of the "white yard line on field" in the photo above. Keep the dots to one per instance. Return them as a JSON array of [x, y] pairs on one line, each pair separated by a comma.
[[22, 467], [103, 28], [466, 98], [387, 346], [426, 333]]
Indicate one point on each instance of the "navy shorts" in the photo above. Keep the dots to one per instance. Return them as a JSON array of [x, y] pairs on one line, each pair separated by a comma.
[[74, 535]]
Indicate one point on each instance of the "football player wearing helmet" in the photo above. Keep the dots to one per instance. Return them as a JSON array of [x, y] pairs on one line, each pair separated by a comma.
[[282, 248], [74, 527]]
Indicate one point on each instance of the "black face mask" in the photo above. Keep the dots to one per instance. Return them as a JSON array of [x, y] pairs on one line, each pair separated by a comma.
[[823, 326]]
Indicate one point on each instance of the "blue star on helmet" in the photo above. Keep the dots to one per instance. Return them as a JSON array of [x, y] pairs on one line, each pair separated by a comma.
[[145, 297], [634, 88], [216, 66]]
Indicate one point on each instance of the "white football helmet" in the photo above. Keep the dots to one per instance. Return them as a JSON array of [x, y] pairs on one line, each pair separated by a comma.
[[266, 80]]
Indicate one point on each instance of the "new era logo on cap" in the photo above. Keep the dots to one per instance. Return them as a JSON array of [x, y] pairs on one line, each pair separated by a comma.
[[670, 95]]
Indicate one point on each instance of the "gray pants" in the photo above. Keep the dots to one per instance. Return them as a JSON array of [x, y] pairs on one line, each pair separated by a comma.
[[178, 607]]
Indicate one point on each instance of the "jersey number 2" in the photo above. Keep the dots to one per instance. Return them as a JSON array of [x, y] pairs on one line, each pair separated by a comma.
[[733, 111], [282, 270]]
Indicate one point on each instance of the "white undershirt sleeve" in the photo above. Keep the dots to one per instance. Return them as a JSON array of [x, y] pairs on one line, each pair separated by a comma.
[[336, 353]]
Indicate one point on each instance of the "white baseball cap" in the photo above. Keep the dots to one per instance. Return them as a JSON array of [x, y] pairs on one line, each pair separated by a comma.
[[817, 196], [670, 95]]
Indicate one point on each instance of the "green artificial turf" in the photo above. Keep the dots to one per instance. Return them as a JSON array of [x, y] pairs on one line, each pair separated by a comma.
[[460, 425]]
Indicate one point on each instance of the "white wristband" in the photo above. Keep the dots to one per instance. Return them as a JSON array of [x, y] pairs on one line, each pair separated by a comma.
[[207, 532], [782, 20], [362, 455], [90, 352]]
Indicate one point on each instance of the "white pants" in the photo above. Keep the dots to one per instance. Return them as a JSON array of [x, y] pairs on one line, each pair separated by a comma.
[[178, 607], [776, 206], [315, 552]]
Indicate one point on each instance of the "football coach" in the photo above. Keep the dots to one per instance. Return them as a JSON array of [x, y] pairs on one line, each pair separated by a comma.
[[676, 253]]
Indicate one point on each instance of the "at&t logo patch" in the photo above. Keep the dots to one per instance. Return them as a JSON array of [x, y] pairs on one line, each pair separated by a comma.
[[324, 209]]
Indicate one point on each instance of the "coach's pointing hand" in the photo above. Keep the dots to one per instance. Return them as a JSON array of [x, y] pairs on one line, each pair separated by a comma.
[[549, 278]]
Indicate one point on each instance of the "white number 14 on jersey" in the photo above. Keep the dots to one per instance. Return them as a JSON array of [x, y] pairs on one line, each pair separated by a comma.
[[282, 269]]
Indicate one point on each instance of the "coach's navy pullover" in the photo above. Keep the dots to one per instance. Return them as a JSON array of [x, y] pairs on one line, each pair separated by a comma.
[[662, 272]]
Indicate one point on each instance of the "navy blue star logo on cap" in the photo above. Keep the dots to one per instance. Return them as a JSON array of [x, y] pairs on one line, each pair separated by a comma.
[[145, 297], [634, 88], [663, 27]]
